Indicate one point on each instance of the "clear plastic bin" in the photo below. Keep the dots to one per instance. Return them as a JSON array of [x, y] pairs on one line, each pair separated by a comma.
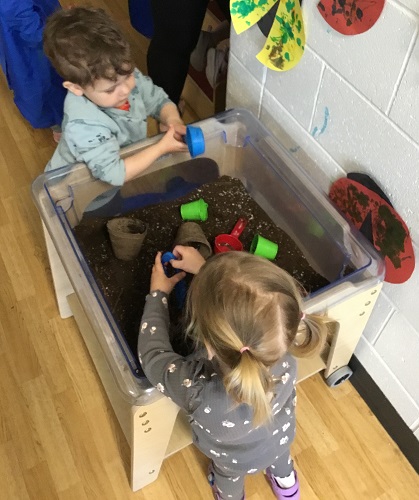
[[240, 147]]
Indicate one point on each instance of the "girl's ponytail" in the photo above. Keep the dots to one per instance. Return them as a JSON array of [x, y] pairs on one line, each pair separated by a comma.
[[311, 336], [249, 382]]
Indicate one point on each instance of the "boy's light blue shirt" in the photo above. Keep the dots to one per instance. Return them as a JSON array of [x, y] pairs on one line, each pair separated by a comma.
[[95, 135]]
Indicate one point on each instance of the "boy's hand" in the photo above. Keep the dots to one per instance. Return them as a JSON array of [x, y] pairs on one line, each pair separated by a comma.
[[179, 126], [169, 144], [189, 259], [138, 162], [159, 280], [169, 115]]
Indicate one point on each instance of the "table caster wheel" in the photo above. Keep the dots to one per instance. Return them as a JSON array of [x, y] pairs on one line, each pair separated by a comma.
[[339, 376]]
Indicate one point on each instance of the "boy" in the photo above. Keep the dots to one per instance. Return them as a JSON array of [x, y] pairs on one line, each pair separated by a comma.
[[108, 100]]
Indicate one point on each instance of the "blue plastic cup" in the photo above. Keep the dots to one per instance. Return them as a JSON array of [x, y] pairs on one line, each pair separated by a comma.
[[195, 140]]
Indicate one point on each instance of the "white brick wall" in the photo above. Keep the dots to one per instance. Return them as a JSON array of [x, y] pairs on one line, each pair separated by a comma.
[[352, 104], [372, 61], [405, 108]]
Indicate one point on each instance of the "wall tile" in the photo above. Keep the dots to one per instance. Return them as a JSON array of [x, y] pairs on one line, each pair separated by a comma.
[[378, 319], [245, 47], [361, 139], [306, 151], [243, 89], [371, 61], [404, 297], [405, 109], [413, 5], [297, 89], [398, 346], [387, 382]]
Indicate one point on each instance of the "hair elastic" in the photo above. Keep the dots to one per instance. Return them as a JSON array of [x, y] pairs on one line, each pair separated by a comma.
[[303, 316], [244, 348]]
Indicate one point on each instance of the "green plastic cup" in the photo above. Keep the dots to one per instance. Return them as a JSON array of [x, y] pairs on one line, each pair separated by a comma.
[[263, 247], [194, 210]]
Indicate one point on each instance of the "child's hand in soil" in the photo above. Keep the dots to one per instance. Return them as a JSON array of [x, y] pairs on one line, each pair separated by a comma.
[[171, 142], [189, 259], [159, 280]]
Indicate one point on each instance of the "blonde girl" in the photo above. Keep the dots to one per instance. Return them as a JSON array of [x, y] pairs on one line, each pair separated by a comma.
[[245, 315]]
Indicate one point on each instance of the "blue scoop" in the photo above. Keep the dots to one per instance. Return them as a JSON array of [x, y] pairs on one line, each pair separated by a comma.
[[180, 288], [195, 140]]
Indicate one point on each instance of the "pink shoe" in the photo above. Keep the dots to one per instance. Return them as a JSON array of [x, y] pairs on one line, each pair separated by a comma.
[[292, 493]]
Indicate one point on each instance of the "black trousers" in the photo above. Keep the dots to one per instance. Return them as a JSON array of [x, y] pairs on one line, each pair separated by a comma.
[[177, 25]]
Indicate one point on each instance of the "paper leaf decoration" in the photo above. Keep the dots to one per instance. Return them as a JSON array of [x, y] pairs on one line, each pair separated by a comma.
[[390, 235], [246, 13], [351, 17], [285, 43]]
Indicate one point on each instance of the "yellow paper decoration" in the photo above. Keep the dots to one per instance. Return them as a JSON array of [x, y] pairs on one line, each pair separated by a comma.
[[286, 41], [246, 13]]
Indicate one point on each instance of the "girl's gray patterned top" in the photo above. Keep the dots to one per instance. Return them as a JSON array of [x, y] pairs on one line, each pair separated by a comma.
[[222, 430]]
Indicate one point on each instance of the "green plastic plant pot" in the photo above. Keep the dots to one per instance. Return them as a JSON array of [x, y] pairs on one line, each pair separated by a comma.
[[263, 247], [194, 210]]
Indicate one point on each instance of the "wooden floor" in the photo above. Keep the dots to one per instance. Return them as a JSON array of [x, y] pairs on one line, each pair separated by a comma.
[[59, 438]]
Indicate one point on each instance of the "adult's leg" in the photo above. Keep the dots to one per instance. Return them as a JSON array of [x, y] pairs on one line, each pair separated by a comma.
[[177, 25], [225, 8], [209, 40]]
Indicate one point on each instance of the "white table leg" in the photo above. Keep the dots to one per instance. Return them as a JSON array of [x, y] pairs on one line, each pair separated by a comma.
[[62, 285], [351, 315], [152, 427]]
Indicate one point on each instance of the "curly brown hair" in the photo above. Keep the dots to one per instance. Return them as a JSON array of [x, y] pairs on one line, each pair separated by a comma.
[[85, 44]]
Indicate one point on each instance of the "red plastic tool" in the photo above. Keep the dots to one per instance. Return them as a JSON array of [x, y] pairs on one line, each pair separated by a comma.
[[230, 242]]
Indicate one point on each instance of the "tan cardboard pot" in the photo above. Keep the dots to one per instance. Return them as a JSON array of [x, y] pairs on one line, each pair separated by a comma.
[[191, 234], [127, 236]]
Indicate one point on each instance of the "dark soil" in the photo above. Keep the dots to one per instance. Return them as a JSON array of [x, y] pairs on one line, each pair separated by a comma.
[[125, 284], [137, 228]]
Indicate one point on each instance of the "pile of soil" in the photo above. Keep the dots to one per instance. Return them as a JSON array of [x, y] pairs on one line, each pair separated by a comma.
[[125, 284]]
